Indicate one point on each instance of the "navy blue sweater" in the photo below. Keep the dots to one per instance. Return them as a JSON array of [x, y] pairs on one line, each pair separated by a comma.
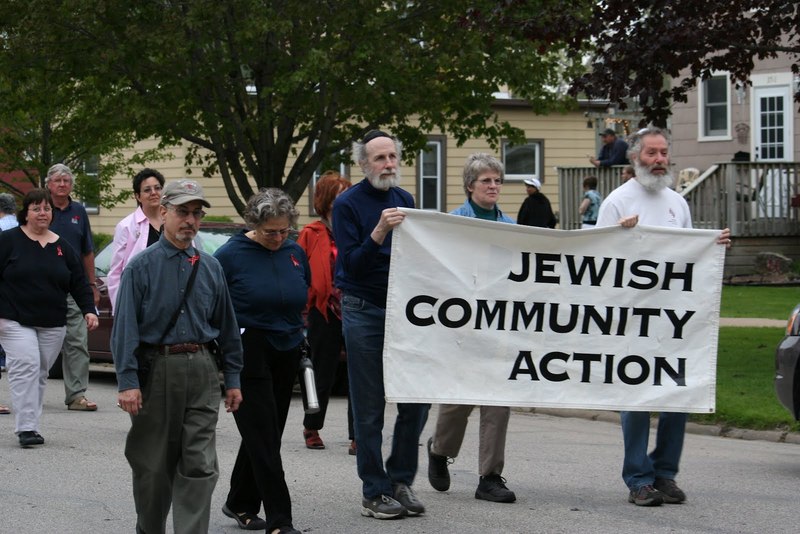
[[269, 289], [362, 266]]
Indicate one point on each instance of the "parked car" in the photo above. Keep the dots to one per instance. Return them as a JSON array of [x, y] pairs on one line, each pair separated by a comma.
[[787, 366], [211, 236]]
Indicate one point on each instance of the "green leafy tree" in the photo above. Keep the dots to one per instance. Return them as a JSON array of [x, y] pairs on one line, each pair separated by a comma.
[[42, 123], [250, 85]]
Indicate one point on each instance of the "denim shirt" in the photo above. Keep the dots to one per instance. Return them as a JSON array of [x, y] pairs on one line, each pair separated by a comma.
[[150, 291]]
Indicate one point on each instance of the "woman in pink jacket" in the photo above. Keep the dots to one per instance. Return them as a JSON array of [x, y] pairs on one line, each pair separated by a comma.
[[138, 230]]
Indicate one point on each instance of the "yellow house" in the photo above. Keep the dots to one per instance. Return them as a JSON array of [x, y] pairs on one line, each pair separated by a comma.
[[555, 140]]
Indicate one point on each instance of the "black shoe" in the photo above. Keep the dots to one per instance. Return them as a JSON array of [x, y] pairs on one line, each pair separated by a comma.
[[287, 529], [405, 496], [646, 496], [672, 494], [382, 507], [245, 520], [29, 438], [493, 488], [438, 475]]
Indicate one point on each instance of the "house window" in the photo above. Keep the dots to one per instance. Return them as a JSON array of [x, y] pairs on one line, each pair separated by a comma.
[[523, 161], [715, 107], [430, 175], [91, 169], [319, 171]]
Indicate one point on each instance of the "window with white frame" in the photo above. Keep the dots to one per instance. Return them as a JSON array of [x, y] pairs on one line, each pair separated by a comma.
[[430, 175], [91, 168], [523, 162], [714, 107]]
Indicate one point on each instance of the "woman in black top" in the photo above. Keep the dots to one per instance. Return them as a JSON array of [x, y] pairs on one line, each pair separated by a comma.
[[37, 270]]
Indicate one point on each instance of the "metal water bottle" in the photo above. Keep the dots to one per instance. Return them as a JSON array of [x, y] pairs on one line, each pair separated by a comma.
[[310, 400]]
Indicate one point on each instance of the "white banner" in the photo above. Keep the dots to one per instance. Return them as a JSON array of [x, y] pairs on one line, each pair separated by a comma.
[[490, 313]]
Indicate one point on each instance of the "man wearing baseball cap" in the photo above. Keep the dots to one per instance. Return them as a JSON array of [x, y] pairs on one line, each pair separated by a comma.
[[613, 152], [172, 303], [536, 209]]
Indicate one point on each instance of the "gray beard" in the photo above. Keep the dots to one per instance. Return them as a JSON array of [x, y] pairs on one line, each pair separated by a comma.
[[384, 184], [653, 182]]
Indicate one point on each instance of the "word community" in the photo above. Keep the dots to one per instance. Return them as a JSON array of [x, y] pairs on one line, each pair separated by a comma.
[[482, 314]]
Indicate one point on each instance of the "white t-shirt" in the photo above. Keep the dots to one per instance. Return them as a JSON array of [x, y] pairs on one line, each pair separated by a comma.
[[664, 207]]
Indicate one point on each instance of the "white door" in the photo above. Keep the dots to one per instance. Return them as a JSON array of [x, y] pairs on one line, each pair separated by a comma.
[[772, 124], [772, 140]]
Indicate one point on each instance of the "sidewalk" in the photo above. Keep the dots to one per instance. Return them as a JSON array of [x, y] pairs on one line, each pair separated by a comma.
[[776, 436], [746, 321]]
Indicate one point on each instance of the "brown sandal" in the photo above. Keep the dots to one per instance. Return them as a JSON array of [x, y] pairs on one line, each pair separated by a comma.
[[82, 404], [4, 410]]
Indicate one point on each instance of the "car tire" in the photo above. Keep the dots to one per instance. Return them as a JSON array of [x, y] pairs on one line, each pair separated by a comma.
[[56, 370]]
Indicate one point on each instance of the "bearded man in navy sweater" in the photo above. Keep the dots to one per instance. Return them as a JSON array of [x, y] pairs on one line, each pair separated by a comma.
[[363, 219]]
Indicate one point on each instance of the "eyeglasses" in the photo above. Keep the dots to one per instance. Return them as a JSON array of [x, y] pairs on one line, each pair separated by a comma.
[[274, 233], [40, 209], [489, 181], [148, 190], [183, 213]]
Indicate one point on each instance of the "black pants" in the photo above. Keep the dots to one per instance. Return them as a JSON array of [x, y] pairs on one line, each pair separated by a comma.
[[267, 377], [326, 341]]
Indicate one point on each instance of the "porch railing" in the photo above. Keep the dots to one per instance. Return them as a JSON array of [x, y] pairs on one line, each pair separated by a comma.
[[752, 199], [570, 190]]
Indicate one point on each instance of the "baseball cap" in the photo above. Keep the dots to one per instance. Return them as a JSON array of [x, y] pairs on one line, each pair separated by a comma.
[[182, 191], [608, 131], [533, 182]]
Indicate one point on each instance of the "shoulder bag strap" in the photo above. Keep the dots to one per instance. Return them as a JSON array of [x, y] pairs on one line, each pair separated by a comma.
[[189, 285]]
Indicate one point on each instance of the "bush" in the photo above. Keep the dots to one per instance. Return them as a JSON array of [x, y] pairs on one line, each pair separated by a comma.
[[100, 240]]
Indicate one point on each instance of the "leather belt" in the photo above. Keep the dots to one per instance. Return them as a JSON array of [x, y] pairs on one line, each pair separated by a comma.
[[180, 348]]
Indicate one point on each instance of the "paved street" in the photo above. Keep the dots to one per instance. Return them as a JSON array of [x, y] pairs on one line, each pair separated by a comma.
[[565, 472]]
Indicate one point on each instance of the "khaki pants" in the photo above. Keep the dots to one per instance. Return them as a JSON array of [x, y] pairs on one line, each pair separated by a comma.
[[171, 446], [75, 359], [452, 424]]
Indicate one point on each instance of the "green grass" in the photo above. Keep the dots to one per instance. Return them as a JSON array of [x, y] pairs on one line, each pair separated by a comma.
[[745, 388], [759, 301]]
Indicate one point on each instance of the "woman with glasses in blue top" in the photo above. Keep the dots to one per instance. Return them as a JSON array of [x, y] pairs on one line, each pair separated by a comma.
[[268, 278]]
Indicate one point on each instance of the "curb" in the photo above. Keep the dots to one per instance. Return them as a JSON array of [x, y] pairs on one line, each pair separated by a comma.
[[775, 436], [745, 321]]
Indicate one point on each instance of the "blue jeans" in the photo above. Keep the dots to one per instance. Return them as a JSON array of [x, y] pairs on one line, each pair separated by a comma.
[[641, 469], [363, 328]]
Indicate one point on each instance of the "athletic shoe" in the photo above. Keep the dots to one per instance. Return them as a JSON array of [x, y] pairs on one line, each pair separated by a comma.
[[405, 496], [438, 475], [646, 496], [493, 488], [382, 507], [671, 492]]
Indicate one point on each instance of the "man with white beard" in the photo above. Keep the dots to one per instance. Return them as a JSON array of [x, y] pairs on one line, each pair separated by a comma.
[[649, 199], [363, 219]]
